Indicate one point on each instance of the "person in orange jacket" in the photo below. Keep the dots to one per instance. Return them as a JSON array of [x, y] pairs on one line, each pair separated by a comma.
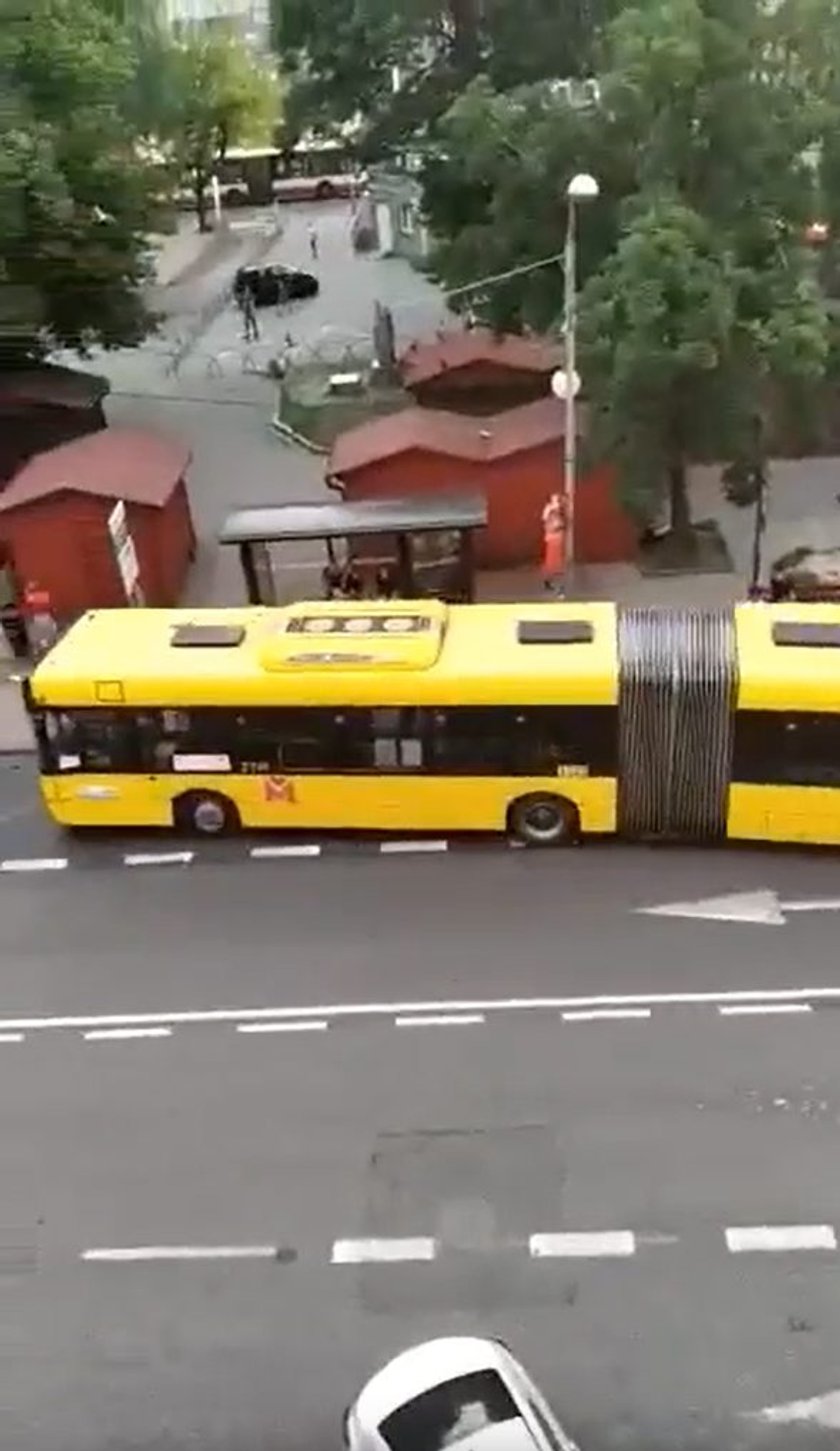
[[554, 544]]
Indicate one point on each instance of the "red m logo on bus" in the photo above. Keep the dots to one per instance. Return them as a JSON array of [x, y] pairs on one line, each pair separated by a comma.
[[279, 788]]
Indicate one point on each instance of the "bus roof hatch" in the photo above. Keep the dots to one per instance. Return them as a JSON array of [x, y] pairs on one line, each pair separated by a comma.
[[401, 636]]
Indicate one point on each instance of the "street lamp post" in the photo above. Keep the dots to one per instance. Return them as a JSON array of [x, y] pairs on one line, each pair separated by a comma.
[[581, 188]]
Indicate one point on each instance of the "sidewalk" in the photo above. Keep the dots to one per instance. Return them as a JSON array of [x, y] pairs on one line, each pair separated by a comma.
[[15, 730], [183, 255]]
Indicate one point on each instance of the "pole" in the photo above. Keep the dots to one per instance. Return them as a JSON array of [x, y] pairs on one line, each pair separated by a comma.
[[759, 526], [569, 349]]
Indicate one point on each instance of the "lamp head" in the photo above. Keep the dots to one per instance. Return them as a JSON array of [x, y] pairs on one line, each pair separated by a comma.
[[582, 187]]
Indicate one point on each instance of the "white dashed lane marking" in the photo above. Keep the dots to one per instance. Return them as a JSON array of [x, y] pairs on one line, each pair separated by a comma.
[[478, 1011], [440, 1020], [98, 1035], [615, 1244], [34, 864], [610, 1244], [310, 1025], [757, 1010], [780, 1239], [383, 1251], [610, 1014], [291, 849], [159, 859]]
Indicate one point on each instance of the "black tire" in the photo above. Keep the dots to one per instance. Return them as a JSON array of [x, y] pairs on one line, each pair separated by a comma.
[[205, 813], [324, 191], [544, 820]]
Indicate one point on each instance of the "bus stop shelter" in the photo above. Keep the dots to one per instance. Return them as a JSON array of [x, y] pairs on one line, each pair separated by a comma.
[[404, 548]]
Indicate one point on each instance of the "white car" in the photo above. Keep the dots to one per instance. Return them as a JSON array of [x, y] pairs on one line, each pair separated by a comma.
[[460, 1392]]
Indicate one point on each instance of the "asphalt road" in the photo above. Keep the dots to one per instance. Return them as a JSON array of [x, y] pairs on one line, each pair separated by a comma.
[[656, 1135]]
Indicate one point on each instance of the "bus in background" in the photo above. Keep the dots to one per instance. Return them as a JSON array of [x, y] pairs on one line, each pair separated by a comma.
[[549, 721], [318, 169]]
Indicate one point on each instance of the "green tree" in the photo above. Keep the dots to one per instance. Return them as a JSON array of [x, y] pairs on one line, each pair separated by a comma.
[[341, 54], [680, 345], [699, 152], [223, 97], [495, 197], [74, 193]]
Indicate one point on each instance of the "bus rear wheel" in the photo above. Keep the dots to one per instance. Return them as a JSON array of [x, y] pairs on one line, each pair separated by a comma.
[[205, 813], [544, 820]]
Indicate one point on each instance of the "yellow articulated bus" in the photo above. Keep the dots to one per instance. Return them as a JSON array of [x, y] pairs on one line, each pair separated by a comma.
[[550, 721]]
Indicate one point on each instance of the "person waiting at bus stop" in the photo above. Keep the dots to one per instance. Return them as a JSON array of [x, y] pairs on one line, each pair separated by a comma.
[[554, 545]]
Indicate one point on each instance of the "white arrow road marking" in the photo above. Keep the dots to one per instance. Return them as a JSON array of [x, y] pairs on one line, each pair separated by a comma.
[[820, 1411], [762, 908]]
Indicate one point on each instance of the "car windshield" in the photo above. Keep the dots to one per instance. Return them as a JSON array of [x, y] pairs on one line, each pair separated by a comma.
[[449, 1413]]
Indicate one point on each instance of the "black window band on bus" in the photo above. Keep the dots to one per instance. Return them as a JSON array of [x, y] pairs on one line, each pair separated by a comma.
[[806, 633], [786, 748], [550, 741]]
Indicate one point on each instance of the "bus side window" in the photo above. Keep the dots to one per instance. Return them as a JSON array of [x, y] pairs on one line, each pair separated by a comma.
[[93, 740], [397, 743]]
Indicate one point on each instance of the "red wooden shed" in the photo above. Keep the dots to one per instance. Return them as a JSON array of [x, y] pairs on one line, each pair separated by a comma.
[[477, 371], [54, 519], [43, 406], [513, 458]]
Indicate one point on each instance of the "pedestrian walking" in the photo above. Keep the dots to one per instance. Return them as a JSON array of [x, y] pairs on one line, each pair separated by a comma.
[[313, 242], [249, 317]]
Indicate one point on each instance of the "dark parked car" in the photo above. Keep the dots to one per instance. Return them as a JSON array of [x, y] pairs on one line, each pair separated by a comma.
[[275, 284]]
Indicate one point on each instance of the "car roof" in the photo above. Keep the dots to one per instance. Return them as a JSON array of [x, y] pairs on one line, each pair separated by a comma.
[[423, 1367]]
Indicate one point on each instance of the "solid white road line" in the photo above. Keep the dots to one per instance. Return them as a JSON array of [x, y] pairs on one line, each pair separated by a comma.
[[11, 1037], [772, 1238], [34, 864], [383, 1251], [610, 1244], [440, 1020], [423, 1008], [294, 848], [103, 1034], [756, 1010], [606, 1013], [138, 1253], [158, 858], [310, 1025], [401, 848]]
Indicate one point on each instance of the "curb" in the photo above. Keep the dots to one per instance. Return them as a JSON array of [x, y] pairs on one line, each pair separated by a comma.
[[286, 434]]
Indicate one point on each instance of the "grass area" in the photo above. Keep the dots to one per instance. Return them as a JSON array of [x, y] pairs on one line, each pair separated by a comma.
[[310, 409]]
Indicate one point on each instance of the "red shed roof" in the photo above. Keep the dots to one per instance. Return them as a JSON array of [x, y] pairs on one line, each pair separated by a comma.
[[51, 385], [116, 463], [451, 434], [463, 349]]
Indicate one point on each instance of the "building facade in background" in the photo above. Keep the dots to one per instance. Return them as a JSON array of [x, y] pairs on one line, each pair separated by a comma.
[[249, 18]]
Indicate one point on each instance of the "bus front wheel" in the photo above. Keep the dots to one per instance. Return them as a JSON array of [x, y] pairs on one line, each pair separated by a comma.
[[205, 813], [544, 820]]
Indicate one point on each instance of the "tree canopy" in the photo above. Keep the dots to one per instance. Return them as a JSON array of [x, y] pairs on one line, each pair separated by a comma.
[[698, 292], [220, 97], [341, 54], [74, 193]]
